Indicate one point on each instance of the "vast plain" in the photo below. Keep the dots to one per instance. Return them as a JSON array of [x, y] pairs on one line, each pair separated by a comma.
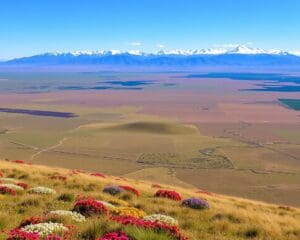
[[234, 134]]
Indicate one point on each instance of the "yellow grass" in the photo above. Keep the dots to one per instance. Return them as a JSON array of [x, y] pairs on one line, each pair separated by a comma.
[[228, 218]]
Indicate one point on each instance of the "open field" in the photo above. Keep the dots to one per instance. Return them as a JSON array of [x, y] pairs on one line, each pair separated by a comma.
[[227, 218], [202, 133]]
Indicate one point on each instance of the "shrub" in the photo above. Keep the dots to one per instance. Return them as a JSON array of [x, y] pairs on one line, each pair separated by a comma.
[[196, 203], [115, 236], [77, 217], [17, 234], [97, 175], [161, 218], [58, 177], [45, 229], [22, 185], [12, 186], [30, 202], [66, 197], [89, 207], [118, 202], [168, 194], [32, 220], [7, 190], [42, 190], [130, 189], [157, 226], [112, 190], [128, 211]]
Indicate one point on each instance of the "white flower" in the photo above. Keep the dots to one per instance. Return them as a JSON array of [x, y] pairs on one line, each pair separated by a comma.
[[44, 229], [161, 218], [9, 180], [42, 190], [12, 186], [77, 217]]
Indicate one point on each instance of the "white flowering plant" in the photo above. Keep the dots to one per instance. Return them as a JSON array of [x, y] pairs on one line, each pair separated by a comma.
[[42, 190], [77, 217], [12, 186], [45, 229], [162, 218]]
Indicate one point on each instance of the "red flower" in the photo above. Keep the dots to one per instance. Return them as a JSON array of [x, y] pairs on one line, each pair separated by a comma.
[[130, 189], [53, 237], [114, 236], [32, 220], [154, 225], [168, 194], [89, 207], [23, 185], [59, 177], [18, 234], [7, 190], [97, 175], [19, 161]]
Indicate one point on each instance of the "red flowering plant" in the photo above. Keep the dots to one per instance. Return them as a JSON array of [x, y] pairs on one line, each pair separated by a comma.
[[90, 207], [7, 190], [22, 185], [19, 161], [32, 220], [18, 234], [1, 174], [58, 177], [98, 175], [53, 237], [168, 194], [154, 225], [114, 236], [130, 189]]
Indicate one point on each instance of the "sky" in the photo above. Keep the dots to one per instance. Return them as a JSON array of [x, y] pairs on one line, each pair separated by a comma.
[[29, 27]]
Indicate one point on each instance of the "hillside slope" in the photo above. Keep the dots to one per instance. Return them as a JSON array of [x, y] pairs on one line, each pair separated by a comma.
[[226, 218]]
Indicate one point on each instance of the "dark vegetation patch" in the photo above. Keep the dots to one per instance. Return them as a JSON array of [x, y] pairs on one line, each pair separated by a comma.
[[291, 103], [39, 113]]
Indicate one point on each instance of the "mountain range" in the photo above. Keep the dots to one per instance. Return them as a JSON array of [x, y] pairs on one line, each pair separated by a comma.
[[240, 56]]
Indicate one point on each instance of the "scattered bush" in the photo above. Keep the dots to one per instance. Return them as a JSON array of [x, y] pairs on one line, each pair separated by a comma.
[[128, 211], [196, 203], [112, 190], [66, 197], [89, 207], [130, 189], [114, 236], [7, 190], [168, 194], [77, 217], [42, 190], [161, 218]]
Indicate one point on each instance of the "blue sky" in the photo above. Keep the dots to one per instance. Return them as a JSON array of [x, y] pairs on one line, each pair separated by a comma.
[[29, 27]]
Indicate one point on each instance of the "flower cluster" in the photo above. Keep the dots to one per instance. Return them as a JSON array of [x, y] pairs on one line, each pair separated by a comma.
[[42, 190], [113, 190], [77, 217], [18, 234], [7, 190], [128, 211], [118, 202], [32, 220], [18, 161], [58, 177], [161, 218], [168, 194], [173, 230], [12, 186], [45, 229], [22, 185], [8, 180], [53, 237], [89, 207], [196, 203], [97, 175], [130, 189], [114, 236]]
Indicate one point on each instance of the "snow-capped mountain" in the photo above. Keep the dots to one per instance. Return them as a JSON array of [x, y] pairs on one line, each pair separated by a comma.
[[238, 56]]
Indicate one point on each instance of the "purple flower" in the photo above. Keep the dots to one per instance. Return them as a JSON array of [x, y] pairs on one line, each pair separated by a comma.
[[196, 203], [113, 190]]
